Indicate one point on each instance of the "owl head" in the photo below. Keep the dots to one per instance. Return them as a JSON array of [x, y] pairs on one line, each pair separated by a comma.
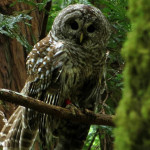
[[82, 25]]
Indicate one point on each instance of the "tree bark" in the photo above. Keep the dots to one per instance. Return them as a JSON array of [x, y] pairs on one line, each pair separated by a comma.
[[13, 54]]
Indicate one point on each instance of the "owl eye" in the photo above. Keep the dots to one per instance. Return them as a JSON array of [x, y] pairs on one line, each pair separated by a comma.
[[74, 25], [91, 29]]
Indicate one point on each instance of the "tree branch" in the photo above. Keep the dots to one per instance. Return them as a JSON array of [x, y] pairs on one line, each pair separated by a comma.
[[37, 105]]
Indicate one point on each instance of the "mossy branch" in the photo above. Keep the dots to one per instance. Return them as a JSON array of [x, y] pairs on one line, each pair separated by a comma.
[[87, 118]]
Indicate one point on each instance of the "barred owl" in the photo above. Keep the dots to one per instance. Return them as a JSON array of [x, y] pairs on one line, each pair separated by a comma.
[[65, 67]]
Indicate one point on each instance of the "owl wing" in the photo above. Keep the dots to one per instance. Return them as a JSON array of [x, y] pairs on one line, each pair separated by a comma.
[[44, 66]]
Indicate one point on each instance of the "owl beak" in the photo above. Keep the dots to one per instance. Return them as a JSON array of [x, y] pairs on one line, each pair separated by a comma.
[[81, 37]]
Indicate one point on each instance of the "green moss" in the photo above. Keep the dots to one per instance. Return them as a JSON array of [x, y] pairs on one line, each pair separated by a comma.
[[133, 113]]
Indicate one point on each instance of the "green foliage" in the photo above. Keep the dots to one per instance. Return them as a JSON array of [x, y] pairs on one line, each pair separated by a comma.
[[115, 11], [96, 136], [55, 9], [92, 134], [9, 27], [133, 113]]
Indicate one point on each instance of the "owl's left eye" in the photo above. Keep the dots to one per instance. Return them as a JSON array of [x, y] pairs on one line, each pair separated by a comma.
[[91, 28], [74, 25]]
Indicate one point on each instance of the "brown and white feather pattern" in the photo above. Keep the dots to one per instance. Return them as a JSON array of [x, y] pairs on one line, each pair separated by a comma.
[[41, 62], [68, 64]]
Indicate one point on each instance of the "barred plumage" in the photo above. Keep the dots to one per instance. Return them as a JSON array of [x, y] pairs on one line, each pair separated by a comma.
[[68, 64]]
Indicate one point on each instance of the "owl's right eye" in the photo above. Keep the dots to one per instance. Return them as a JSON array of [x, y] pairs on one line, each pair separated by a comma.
[[91, 29], [74, 25]]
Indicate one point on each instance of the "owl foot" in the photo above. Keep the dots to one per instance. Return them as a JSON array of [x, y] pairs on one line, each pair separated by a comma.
[[88, 113], [73, 109]]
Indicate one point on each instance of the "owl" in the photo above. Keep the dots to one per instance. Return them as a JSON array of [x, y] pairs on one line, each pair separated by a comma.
[[64, 69]]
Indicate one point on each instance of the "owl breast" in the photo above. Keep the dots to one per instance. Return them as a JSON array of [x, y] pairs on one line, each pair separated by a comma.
[[75, 72]]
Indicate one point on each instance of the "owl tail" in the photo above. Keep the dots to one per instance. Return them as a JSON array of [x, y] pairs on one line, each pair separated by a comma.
[[9, 132], [14, 135]]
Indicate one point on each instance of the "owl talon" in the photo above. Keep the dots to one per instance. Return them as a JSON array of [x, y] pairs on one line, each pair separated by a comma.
[[88, 112], [74, 110]]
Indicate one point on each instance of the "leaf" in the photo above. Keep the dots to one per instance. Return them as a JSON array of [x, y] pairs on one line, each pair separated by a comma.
[[9, 27]]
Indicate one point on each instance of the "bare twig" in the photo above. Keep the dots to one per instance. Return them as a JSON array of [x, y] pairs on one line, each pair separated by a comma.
[[37, 105]]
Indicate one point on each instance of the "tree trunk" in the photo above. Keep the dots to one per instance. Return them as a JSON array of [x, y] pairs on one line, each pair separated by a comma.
[[13, 54], [133, 114]]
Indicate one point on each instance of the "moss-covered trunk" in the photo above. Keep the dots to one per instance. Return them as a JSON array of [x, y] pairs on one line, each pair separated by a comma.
[[133, 114]]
